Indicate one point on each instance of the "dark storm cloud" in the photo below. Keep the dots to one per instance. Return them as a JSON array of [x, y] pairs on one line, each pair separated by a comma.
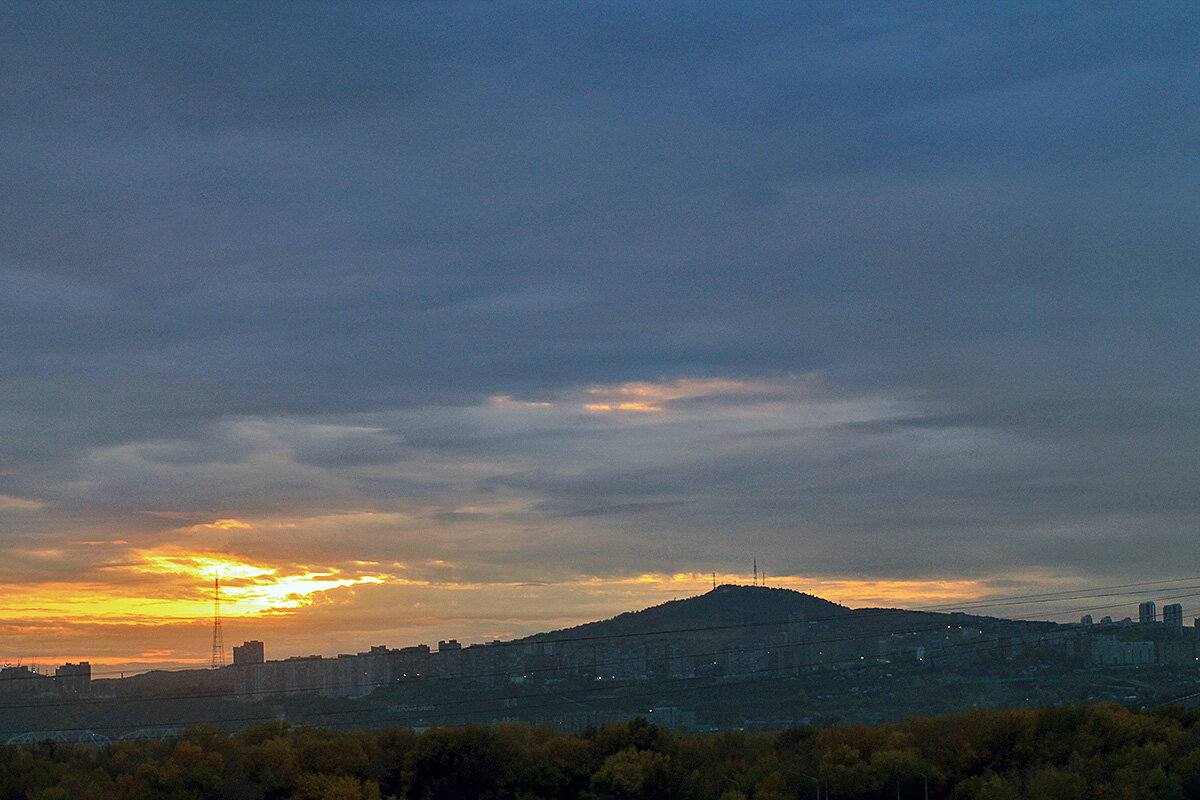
[[264, 259]]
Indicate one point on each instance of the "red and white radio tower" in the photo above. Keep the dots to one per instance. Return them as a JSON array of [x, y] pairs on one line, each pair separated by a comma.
[[218, 648]]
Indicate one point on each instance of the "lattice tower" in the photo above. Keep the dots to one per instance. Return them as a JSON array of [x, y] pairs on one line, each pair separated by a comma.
[[218, 644]]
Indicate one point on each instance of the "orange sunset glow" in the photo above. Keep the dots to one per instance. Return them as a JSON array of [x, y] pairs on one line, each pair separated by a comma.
[[411, 322], [182, 589], [173, 587]]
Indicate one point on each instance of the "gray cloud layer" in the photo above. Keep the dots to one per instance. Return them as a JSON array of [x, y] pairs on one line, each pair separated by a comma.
[[278, 261]]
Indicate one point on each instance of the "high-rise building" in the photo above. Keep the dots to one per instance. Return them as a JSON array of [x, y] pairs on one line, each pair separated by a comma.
[[1147, 612], [1173, 616], [248, 652], [74, 678]]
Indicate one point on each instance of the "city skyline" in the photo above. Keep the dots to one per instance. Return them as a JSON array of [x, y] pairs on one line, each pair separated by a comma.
[[485, 319], [1094, 601]]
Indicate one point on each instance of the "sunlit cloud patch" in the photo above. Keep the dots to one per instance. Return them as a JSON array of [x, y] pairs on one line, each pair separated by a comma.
[[248, 588]]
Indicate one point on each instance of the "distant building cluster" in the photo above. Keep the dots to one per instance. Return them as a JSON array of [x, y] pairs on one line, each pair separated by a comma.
[[786, 649], [1151, 641], [349, 674], [68, 680], [790, 648], [1172, 615]]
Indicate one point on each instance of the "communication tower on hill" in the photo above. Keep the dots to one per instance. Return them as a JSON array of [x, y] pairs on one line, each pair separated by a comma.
[[218, 647]]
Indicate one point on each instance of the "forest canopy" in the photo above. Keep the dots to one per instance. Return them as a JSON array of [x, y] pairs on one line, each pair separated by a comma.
[[1060, 752]]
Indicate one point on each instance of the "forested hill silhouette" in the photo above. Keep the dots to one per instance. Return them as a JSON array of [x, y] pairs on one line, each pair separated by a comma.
[[727, 607], [733, 612]]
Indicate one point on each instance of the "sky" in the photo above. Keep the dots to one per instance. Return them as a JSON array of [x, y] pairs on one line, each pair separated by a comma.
[[418, 321]]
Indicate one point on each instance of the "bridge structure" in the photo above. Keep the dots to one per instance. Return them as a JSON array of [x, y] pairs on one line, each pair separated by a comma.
[[154, 734], [66, 737], [86, 737]]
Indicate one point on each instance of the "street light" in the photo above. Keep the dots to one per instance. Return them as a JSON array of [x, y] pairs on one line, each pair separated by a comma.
[[736, 786], [924, 777], [816, 783]]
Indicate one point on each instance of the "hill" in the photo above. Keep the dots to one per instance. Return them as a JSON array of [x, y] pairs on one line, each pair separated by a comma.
[[726, 607], [731, 613]]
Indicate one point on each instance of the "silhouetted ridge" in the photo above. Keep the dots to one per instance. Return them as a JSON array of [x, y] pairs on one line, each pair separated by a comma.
[[727, 605]]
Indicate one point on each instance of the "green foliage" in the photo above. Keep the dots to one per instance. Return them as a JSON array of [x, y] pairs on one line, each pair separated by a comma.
[[625, 774], [637, 733], [452, 763], [1102, 752], [312, 786]]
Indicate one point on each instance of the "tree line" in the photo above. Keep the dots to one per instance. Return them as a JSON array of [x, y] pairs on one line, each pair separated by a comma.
[[1105, 752]]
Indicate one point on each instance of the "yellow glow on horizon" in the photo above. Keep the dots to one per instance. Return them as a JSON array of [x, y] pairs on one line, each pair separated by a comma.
[[249, 588], [910, 592], [848, 591], [168, 585], [183, 562], [132, 665], [163, 600], [295, 590], [185, 660], [93, 602], [183, 590]]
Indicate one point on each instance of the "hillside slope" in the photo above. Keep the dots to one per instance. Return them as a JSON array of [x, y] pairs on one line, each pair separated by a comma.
[[725, 607]]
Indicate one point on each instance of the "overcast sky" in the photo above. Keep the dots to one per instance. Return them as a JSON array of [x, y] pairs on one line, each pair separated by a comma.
[[478, 319]]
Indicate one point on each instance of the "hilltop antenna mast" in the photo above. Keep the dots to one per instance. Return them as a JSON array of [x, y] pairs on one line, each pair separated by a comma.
[[218, 647], [756, 572]]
